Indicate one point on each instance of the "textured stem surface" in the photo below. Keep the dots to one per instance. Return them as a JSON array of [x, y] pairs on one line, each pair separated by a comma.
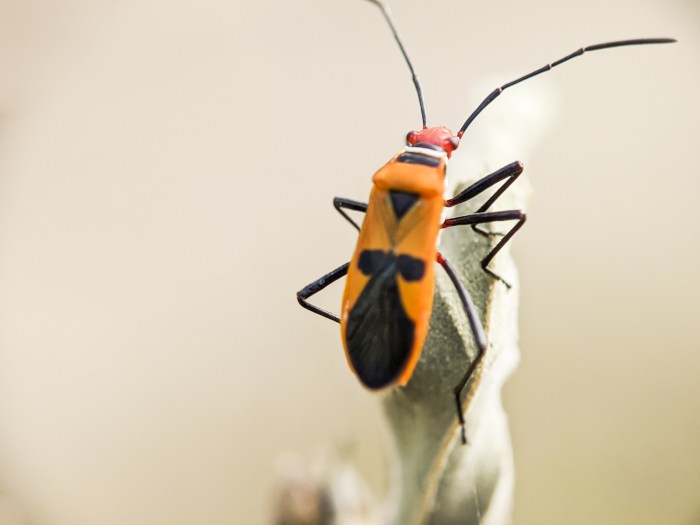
[[439, 480]]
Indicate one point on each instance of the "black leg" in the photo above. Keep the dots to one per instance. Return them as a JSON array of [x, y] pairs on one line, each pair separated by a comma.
[[479, 337], [339, 203], [317, 286], [492, 216], [510, 172]]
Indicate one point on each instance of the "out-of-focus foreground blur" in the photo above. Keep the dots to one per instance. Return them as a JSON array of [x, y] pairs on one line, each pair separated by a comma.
[[166, 176]]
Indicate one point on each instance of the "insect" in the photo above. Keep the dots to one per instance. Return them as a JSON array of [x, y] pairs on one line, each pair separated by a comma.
[[388, 296]]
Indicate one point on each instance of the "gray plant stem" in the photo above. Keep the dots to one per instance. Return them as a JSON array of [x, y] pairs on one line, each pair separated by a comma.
[[437, 479]]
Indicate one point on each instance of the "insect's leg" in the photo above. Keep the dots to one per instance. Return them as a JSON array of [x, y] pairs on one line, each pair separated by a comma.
[[491, 216], [340, 202], [477, 330], [317, 286], [510, 172]]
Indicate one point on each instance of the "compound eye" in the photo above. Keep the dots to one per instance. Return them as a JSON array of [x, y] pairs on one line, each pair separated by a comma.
[[454, 142], [411, 137]]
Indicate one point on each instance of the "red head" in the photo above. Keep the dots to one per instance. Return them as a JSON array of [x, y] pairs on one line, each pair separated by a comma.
[[438, 136]]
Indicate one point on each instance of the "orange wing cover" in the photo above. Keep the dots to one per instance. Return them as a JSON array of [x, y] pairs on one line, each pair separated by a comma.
[[388, 295]]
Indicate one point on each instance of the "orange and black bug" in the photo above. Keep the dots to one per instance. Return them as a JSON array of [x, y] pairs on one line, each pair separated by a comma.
[[388, 295]]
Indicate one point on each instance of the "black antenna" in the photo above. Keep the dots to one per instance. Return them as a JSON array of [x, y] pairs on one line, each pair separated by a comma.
[[416, 82], [543, 69]]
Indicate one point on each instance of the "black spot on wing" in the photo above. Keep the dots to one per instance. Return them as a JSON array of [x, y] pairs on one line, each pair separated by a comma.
[[402, 201], [411, 269], [379, 335], [371, 262]]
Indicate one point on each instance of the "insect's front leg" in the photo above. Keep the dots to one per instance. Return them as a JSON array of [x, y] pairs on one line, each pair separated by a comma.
[[340, 203], [508, 173], [492, 216]]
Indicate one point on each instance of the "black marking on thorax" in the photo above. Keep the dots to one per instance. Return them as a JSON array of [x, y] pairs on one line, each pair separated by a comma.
[[418, 158], [402, 201]]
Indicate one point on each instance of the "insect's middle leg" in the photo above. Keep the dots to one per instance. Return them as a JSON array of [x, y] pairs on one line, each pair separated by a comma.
[[477, 330], [508, 173], [340, 203], [492, 216]]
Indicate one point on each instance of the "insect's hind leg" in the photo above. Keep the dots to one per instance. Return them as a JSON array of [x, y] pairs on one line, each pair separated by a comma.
[[479, 337], [340, 203], [508, 173], [492, 216], [317, 286]]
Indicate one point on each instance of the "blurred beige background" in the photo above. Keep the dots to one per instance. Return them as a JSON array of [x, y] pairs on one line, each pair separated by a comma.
[[166, 176]]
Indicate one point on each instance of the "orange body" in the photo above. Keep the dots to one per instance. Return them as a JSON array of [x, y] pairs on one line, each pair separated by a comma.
[[413, 232]]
